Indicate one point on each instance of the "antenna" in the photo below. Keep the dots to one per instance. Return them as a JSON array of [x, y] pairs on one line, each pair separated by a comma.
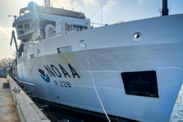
[[101, 12], [47, 2]]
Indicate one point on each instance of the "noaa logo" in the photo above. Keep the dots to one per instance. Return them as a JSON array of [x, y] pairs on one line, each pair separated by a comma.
[[60, 72], [44, 76]]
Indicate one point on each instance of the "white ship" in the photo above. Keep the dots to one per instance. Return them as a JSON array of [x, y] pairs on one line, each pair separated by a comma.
[[130, 70]]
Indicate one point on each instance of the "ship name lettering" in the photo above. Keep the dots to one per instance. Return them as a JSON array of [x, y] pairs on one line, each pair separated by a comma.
[[53, 71]]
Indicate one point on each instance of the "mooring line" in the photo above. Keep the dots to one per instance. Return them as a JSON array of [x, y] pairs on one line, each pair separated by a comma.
[[96, 88]]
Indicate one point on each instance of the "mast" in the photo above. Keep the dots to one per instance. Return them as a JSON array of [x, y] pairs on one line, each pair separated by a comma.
[[165, 7], [47, 2]]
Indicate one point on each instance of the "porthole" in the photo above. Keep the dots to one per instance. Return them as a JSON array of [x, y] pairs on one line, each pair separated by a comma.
[[137, 36], [82, 43]]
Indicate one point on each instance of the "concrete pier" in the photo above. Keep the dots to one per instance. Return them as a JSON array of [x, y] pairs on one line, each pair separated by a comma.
[[27, 110], [8, 110]]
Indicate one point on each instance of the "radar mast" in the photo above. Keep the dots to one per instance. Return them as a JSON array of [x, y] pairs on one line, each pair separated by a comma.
[[47, 2]]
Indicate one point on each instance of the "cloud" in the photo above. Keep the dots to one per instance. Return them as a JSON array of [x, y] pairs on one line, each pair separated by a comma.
[[76, 6], [66, 4], [89, 2], [109, 5], [5, 32]]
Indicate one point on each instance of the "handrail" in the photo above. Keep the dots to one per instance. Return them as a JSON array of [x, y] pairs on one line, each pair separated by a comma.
[[97, 23]]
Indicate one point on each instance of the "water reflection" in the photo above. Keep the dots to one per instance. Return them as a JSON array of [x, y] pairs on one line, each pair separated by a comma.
[[177, 113]]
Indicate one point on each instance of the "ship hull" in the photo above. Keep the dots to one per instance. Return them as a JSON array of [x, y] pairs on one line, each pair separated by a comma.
[[67, 79]]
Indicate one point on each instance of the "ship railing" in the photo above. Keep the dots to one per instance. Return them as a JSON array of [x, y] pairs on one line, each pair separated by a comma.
[[97, 25], [70, 27]]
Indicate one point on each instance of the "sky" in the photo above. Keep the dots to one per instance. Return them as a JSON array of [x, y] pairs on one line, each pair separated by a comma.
[[113, 11]]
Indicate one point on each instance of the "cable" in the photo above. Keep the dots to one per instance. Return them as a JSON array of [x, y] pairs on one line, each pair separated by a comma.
[[160, 10], [170, 7], [95, 87], [101, 12], [158, 4], [98, 10], [32, 68]]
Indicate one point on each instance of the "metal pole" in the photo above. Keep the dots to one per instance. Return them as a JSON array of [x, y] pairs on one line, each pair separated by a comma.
[[101, 12], [165, 10]]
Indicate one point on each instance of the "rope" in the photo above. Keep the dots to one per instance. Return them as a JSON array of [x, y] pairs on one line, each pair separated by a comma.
[[32, 68], [98, 9], [95, 87], [160, 10], [170, 7]]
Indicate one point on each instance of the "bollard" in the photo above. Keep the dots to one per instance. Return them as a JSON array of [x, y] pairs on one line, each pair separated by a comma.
[[16, 89]]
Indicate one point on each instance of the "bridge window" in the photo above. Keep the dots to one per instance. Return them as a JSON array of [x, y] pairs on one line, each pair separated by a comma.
[[26, 26], [142, 83], [20, 29]]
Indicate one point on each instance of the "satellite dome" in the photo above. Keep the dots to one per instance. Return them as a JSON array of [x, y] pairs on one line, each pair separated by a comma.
[[32, 6]]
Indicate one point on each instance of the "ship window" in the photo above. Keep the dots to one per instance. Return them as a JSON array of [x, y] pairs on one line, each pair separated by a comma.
[[20, 27], [66, 49], [142, 83], [77, 28], [27, 26]]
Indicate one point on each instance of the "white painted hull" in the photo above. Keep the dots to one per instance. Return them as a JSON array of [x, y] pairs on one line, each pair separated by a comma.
[[106, 67]]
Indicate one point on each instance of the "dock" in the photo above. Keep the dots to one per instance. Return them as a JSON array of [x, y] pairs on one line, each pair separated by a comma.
[[16, 106], [8, 110]]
